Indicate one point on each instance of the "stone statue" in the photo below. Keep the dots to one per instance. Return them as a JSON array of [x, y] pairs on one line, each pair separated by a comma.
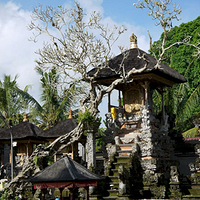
[[124, 174], [174, 174], [109, 121], [111, 150], [119, 119], [122, 180]]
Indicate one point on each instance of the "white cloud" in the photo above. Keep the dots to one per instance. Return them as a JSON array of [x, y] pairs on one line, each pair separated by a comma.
[[92, 5], [16, 52]]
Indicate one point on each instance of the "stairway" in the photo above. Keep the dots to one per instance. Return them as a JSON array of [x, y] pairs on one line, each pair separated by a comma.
[[127, 137], [122, 159]]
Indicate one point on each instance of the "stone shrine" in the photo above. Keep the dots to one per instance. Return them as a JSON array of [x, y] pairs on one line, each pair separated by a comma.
[[137, 148]]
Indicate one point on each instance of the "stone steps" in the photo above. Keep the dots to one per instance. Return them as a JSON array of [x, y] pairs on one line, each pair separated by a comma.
[[125, 164], [125, 147], [123, 158], [114, 179], [111, 198], [124, 153], [113, 192], [115, 172], [114, 185]]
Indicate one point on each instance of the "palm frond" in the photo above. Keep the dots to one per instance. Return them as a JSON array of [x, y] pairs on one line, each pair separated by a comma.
[[190, 103]]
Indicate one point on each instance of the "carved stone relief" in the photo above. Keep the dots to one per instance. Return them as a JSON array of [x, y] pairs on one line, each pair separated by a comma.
[[133, 100], [91, 151]]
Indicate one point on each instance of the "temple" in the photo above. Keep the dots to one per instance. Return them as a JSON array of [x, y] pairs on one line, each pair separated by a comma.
[[139, 158]]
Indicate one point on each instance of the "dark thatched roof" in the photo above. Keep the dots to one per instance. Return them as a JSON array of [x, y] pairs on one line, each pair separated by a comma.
[[133, 61], [27, 130], [60, 129], [65, 170], [3, 133], [24, 130]]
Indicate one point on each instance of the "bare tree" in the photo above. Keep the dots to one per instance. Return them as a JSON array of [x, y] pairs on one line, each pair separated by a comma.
[[163, 12], [78, 43]]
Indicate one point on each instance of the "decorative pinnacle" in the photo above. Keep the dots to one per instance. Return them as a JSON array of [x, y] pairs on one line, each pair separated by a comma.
[[133, 41], [25, 118], [70, 114]]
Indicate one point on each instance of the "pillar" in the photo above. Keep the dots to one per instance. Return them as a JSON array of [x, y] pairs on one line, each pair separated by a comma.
[[61, 189], [145, 85], [91, 149], [43, 193], [120, 103], [87, 189], [163, 109], [109, 102]]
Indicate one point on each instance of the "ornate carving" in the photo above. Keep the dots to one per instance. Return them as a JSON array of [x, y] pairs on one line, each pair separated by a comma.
[[120, 119], [111, 152], [107, 167], [174, 174], [158, 191], [133, 38], [133, 99], [174, 183], [109, 121], [111, 149], [195, 167], [91, 149], [149, 164], [145, 119], [150, 178], [124, 174]]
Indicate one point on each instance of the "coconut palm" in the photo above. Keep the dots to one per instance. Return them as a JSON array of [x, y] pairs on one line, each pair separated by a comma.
[[181, 102], [55, 105], [14, 101]]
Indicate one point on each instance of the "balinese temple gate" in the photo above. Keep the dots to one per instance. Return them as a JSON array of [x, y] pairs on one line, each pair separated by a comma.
[[137, 148]]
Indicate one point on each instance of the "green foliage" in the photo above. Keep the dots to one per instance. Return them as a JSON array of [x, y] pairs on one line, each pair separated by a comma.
[[35, 160], [14, 101], [182, 100], [86, 118], [4, 195], [179, 57], [193, 132], [55, 104], [99, 138], [181, 104], [50, 161]]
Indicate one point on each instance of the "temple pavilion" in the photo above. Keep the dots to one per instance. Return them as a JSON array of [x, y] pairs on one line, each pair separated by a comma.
[[137, 146]]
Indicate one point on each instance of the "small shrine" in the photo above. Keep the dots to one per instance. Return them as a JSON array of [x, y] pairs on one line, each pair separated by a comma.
[[65, 174], [137, 148], [25, 136]]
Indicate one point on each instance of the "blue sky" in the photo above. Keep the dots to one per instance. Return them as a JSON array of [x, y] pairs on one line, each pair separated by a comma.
[[17, 54]]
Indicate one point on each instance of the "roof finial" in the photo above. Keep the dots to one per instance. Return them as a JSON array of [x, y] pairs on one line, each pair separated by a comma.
[[25, 118], [70, 114], [133, 41]]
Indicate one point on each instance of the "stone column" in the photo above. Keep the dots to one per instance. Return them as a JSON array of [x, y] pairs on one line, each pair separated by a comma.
[[109, 102], [91, 149], [145, 85]]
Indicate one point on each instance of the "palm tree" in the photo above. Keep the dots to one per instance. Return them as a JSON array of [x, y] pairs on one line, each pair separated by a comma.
[[180, 101], [14, 101], [55, 106]]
